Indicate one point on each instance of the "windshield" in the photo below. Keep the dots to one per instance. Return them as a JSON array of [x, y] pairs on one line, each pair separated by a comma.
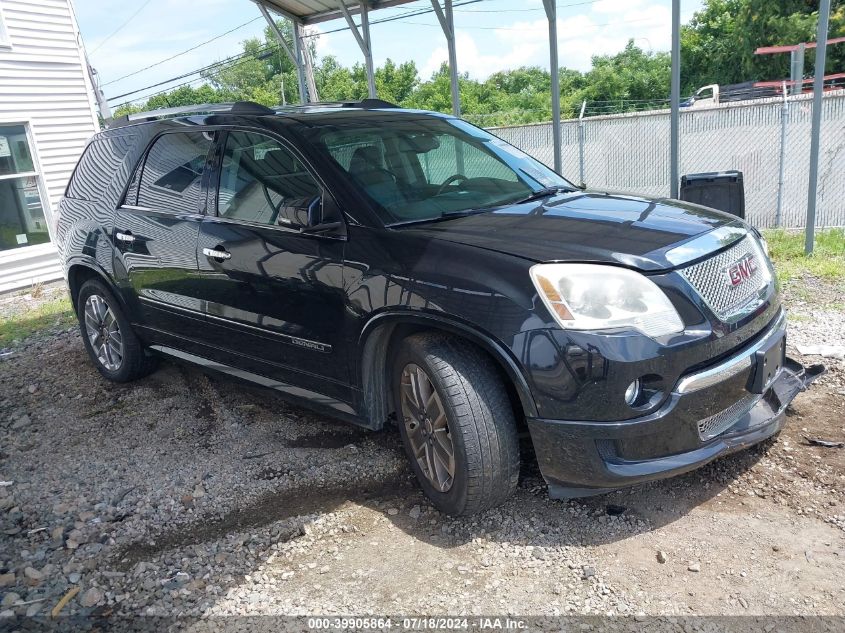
[[417, 169]]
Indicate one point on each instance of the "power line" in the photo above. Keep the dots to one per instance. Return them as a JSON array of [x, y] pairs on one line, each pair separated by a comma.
[[559, 6], [245, 54], [529, 30], [240, 57], [118, 29], [193, 48], [235, 62]]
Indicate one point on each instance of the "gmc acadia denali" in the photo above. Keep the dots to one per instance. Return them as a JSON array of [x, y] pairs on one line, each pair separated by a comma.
[[382, 264]]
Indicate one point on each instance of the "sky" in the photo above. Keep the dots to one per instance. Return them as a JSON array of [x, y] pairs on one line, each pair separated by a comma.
[[123, 38]]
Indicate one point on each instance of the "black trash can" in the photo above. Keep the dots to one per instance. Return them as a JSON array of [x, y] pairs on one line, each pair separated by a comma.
[[721, 190]]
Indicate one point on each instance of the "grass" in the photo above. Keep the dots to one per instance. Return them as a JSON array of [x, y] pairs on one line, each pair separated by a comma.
[[53, 313], [787, 252]]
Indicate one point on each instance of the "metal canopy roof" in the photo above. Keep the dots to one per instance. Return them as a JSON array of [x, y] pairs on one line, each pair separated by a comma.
[[315, 11]]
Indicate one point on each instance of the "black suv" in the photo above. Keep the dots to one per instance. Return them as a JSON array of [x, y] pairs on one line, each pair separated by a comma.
[[382, 264]]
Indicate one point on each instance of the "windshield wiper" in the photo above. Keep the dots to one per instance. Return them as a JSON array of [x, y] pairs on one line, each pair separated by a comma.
[[545, 192], [446, 215]]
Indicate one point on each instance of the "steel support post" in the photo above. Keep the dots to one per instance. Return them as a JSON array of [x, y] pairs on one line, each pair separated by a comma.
[[362, 36], [447, 23], [551, 16], [675, 96], [582, 139], [815, 135], [295, 58]]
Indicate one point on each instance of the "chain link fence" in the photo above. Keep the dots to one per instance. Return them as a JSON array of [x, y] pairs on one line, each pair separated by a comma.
[[761, 138]]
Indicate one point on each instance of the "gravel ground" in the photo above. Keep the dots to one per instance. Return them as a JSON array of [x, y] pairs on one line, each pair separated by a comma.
[[187, 494]]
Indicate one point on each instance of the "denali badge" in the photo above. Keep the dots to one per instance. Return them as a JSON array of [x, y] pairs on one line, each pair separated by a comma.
[[741, 270]]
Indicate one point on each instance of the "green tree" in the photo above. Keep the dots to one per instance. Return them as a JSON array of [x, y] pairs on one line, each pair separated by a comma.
[[718, 44], [265, 74], [334, 81], [633, 79]]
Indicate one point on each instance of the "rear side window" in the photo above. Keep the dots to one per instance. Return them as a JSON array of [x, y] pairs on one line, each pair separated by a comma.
[[172, 176], [101, 162]]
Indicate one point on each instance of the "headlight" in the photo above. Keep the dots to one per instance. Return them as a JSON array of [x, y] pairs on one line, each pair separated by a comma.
[[596, 297]]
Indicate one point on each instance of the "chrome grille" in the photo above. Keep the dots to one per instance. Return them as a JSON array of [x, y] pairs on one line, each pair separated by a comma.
[[712, 426], [710, 279]]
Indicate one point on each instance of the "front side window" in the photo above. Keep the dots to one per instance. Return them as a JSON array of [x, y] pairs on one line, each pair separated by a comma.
[[172, 176], [22, 221], [261, 181], [423, 168]]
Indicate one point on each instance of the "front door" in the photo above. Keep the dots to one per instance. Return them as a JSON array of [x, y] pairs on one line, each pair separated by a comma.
[[273, 293], [155, 238]]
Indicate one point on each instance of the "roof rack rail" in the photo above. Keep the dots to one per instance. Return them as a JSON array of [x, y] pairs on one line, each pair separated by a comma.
[[237, 107], [373, 103], [366, 104]]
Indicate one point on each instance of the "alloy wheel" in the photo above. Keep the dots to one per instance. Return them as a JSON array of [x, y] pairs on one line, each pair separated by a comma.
[[103, 332], [427, 427]]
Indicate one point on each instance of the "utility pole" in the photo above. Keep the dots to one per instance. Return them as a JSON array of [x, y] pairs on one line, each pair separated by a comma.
[[818, 88], [102, 104], [309, 71]]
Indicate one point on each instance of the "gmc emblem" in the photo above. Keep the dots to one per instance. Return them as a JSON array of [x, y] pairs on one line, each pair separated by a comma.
[[741, 270]]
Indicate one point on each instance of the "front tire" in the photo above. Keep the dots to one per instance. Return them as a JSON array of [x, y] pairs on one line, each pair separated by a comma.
[[114, 348], [456, 422]]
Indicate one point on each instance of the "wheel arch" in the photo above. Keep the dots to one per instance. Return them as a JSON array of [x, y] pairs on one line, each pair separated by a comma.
[[80, 271], [378, 343]]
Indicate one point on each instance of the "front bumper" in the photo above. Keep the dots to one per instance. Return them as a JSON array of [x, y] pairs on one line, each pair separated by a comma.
[[692, 428]]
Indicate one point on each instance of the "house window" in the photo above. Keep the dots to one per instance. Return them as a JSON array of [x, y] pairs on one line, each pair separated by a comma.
[[22, 221]]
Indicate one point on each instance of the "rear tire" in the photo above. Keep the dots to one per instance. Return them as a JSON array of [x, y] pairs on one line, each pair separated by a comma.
[[114, 348], [466, 407]]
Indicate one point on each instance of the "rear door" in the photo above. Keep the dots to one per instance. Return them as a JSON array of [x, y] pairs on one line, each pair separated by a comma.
[[155, 237], [273, 293]]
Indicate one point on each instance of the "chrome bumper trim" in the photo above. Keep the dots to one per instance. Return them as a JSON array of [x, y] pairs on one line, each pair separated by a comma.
[[730, 367]]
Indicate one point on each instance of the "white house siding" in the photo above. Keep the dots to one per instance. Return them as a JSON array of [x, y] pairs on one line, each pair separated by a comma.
[[44, 83]]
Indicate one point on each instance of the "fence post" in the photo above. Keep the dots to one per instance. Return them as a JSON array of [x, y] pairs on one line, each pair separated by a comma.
[[581, 141], [784, 118]]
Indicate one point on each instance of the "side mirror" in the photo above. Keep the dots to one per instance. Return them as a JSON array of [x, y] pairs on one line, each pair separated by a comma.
[[324, 216], [300, 213], [315, 212]]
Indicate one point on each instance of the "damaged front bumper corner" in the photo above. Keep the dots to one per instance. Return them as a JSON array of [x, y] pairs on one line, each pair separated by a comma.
[[584, 458]]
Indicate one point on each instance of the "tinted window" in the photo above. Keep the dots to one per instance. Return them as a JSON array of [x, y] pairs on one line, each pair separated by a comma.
[[132, 190], [261, 181], [447, 158], [422, 168], [100, 164], [171, 180]]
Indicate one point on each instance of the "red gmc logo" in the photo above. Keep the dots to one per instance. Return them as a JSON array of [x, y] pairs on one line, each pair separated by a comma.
[[741, 270]]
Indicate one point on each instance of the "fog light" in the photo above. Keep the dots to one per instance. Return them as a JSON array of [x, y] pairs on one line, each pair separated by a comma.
[[632, 393]]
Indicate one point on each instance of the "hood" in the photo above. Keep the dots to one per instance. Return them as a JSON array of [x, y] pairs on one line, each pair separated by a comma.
[[585, 227]]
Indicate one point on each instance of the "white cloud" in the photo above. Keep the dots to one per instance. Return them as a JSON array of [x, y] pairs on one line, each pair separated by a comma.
[[579, 38], [615, 7], [323, 43], [477, 64]]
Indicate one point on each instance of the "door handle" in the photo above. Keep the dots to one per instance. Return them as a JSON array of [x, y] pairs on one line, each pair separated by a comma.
[[218, 253], [126, 237]]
